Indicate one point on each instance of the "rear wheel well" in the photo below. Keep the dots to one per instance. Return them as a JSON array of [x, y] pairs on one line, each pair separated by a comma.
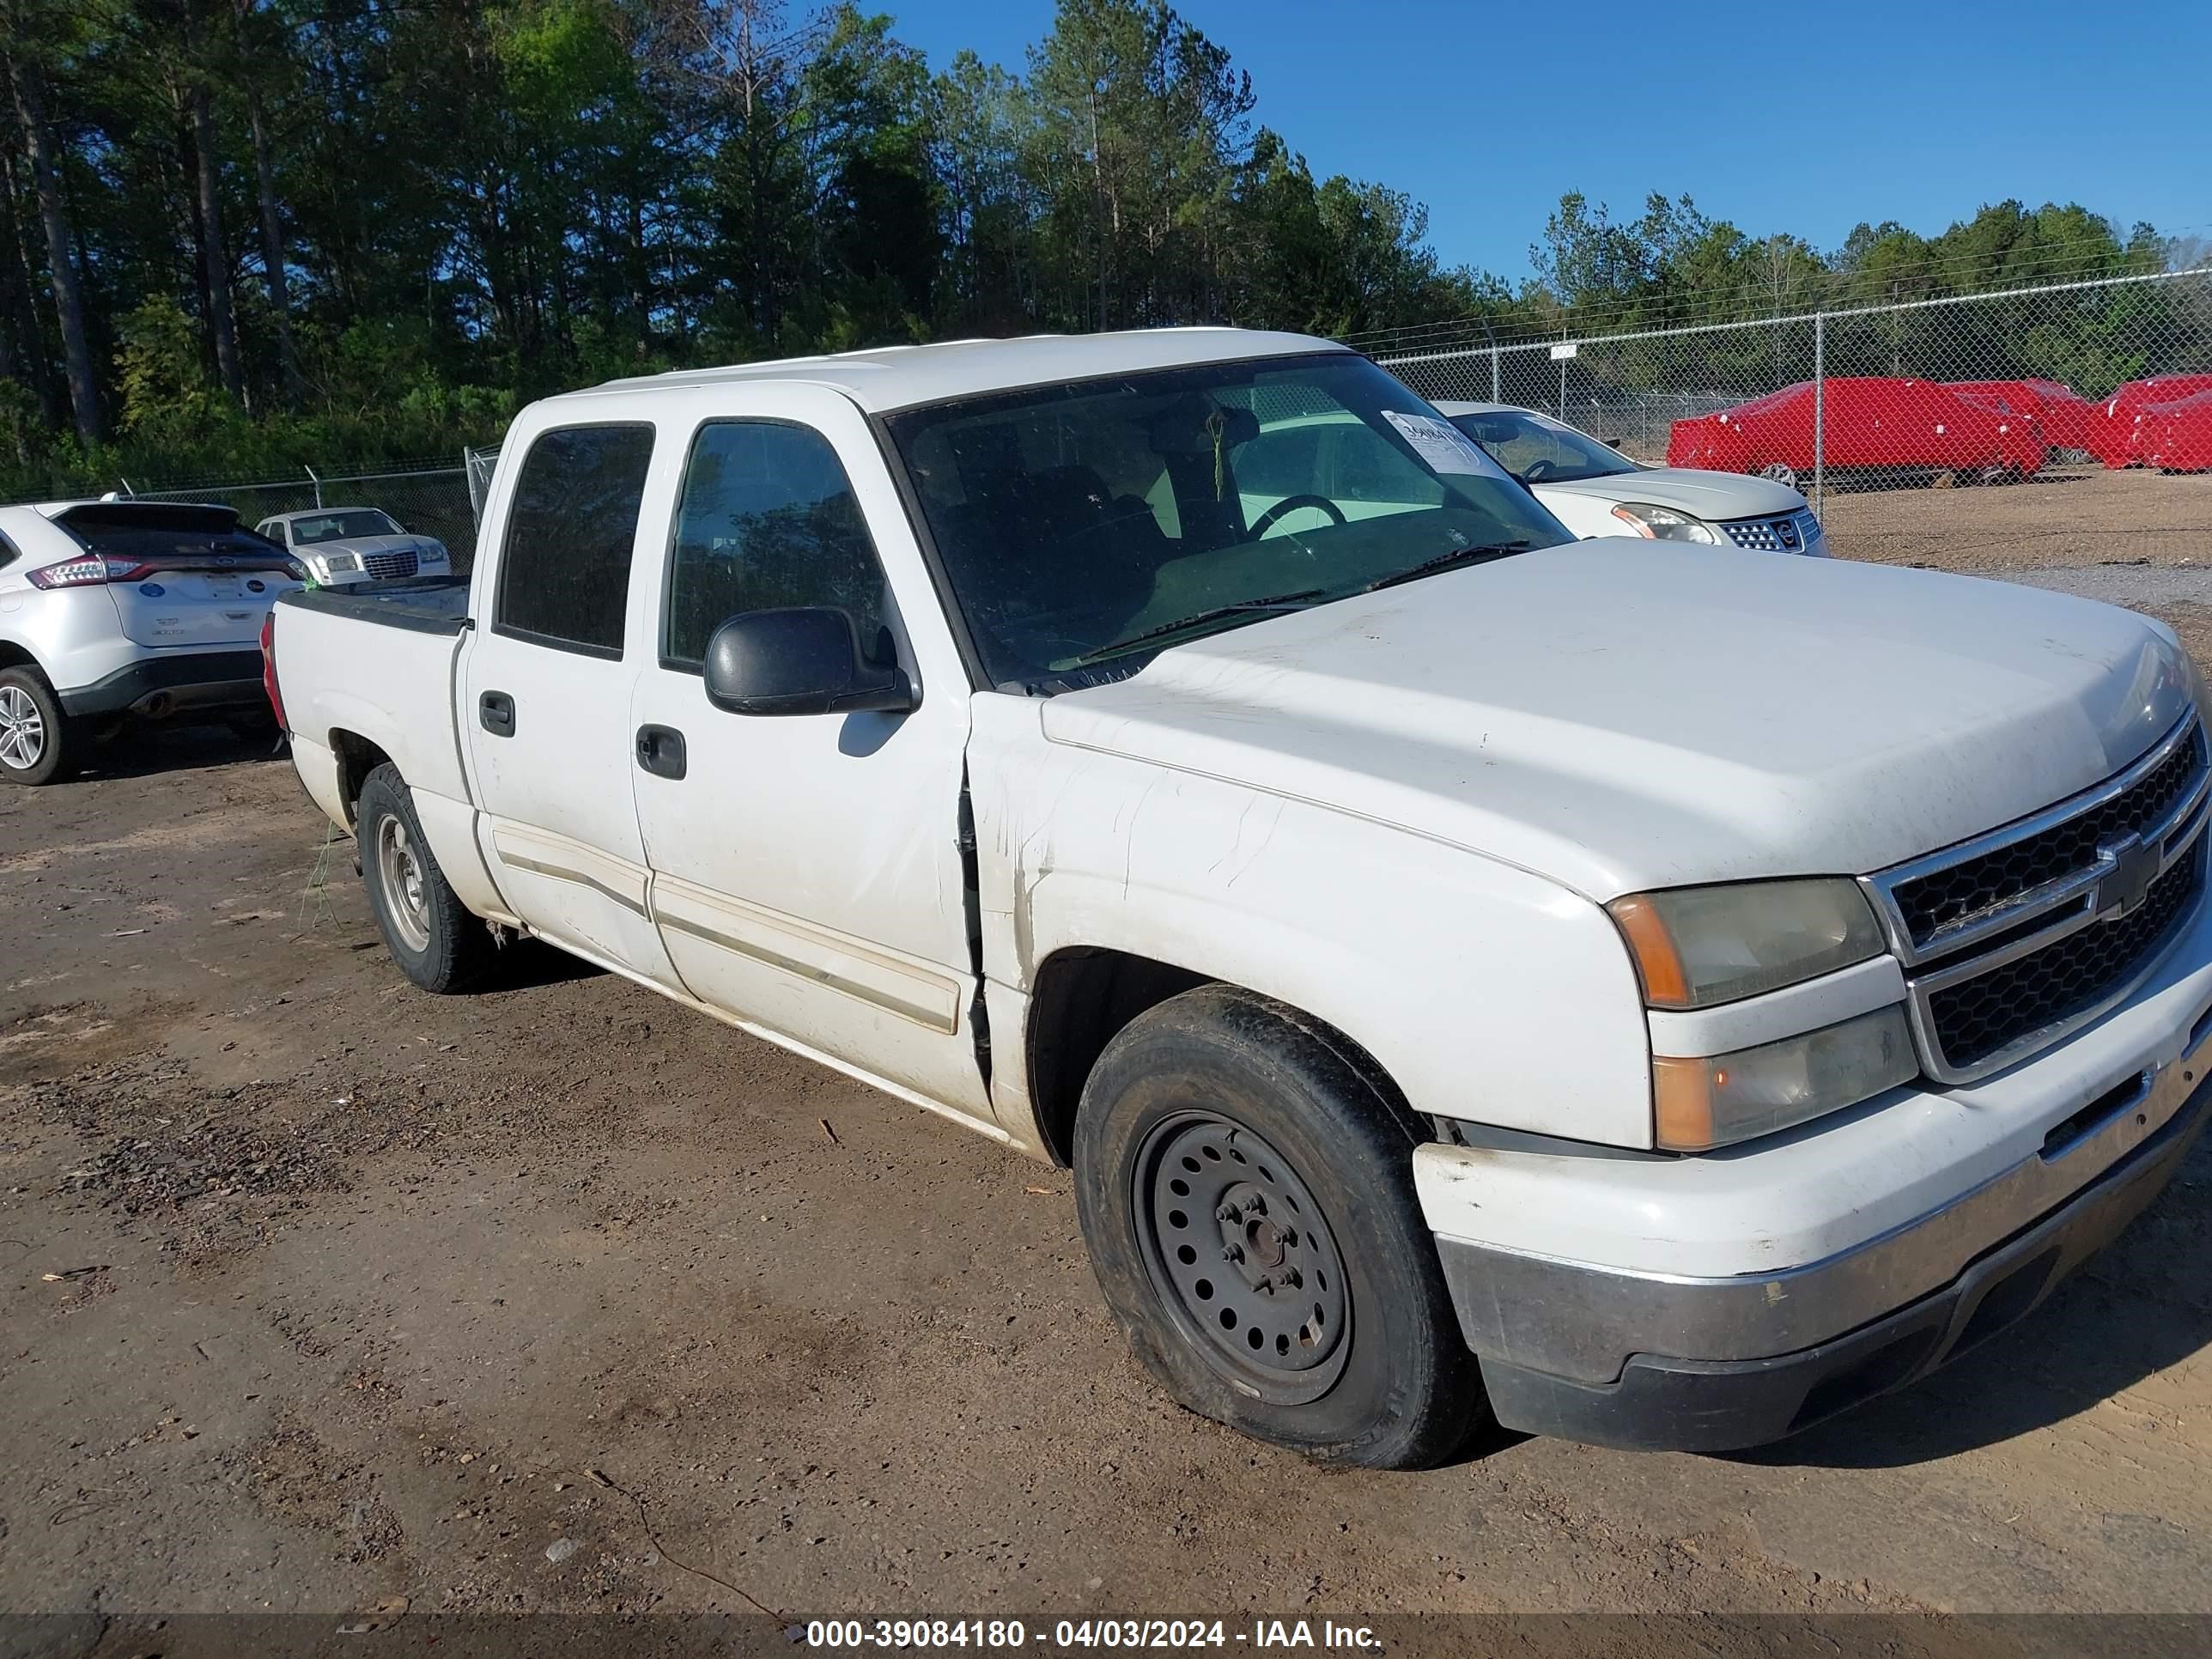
[[357, 758], [14, 656]]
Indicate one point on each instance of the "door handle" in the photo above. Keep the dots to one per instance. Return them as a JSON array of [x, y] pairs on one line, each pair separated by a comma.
[[495, 713], [660, 751]]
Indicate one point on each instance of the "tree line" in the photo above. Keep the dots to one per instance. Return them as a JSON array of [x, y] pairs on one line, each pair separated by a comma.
[[237, 234]]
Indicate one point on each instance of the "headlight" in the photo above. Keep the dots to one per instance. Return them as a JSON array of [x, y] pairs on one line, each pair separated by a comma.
[[1664, 523], [433, 553], [1695, 947], [337, 563], [1697, 1104]]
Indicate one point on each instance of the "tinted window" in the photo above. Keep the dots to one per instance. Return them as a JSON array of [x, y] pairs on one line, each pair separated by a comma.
[[768, 519], [564, 573], [169, 532], [1085, 523]]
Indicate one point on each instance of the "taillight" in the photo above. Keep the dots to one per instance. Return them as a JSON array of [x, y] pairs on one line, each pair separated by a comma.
[[268, 668], [90, 572]]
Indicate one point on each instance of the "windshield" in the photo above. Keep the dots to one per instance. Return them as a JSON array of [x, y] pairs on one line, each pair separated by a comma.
[[1537, 449], [341, 525], [1095, 522]]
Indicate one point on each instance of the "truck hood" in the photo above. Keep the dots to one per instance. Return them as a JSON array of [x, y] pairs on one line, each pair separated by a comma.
[[1621, 714], [1686, 489]]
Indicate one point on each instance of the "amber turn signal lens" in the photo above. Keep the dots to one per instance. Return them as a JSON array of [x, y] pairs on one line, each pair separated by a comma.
[[1682, 1104], [1658, 961]]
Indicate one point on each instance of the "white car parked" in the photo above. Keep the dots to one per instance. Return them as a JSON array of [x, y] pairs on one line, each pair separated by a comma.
[[1595, 490], [343, 545], [112, 609]]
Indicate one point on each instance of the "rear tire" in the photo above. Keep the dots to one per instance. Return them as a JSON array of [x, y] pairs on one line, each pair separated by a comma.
[[428, 931], [38, 743], [1247, 1194]]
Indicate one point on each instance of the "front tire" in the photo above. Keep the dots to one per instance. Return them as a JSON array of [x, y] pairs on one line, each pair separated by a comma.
[[1247, 1194], [38, 743], [430, 934]]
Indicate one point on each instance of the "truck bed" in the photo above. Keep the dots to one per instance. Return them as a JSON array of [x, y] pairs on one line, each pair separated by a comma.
[[376, 668], [428, 604]]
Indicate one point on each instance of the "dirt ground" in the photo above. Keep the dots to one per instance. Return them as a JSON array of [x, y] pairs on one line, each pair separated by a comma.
[[2066, 514], [321, 1296]]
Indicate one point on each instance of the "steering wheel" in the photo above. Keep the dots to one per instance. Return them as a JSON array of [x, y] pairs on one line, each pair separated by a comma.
[[1290, 504], [1537, 470]]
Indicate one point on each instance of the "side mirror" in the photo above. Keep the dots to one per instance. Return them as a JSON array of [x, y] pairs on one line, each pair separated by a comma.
[[803, 661]]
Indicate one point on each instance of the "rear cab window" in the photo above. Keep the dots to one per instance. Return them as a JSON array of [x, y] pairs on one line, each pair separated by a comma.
[[571, 531]]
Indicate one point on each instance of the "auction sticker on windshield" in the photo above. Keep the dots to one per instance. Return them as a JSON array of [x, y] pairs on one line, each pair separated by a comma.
[[1442, 445]]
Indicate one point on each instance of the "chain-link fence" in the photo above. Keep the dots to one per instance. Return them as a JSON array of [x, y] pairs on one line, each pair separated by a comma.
[[428, 497], [2068, 382]]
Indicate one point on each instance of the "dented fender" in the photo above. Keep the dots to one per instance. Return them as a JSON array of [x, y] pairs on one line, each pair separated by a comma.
[[1486, 992]]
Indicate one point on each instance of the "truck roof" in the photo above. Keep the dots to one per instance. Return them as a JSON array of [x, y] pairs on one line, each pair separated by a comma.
[[886, 378]]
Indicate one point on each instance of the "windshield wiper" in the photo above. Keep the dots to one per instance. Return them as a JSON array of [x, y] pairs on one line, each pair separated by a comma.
[[1482, 555], [1273, 602]]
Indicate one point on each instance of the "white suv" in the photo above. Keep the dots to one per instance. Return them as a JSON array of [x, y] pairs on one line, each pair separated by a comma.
[[116, 609]]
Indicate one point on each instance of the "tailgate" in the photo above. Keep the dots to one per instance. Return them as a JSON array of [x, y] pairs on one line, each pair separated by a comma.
[[197, 607], [183, 573]]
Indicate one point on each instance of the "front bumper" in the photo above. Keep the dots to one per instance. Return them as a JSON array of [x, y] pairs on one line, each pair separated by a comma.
[[169, 684], [1718, 1302], [1664, 1403]]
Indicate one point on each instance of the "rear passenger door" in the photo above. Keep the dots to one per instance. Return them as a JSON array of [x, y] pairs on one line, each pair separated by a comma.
[[545, 694], [807, 874]]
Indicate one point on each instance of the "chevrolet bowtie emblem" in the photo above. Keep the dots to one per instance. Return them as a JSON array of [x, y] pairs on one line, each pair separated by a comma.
[[2131, 866]]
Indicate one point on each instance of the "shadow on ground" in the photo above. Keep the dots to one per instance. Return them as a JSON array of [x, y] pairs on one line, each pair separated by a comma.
[[2143, 1306], [139, 751]]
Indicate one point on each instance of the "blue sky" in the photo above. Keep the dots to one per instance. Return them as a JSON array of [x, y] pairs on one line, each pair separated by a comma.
[[1780, 116]]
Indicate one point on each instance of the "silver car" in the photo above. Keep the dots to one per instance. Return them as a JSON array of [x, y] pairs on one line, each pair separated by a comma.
[[343, 545], [1595, 490], [110, 610]]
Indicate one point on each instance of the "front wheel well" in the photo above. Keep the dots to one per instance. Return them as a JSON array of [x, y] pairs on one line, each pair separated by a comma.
[[1084, 996], [357, 758]]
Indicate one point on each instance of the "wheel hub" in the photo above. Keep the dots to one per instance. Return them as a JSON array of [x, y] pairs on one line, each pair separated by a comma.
[[401, 873], [22, 731], [1260, 1293]]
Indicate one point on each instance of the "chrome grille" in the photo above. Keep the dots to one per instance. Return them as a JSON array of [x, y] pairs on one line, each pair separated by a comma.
[[1978, 1017], [1948, 901], [2013, 939], [386, 566], [1790, 532]]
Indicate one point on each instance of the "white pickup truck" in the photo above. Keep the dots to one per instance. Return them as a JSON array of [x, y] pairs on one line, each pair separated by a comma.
[[1663, 995]]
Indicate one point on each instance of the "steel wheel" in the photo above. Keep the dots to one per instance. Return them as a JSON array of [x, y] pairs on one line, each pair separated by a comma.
[[1242, 1257], [22, 729], [401, 870]]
